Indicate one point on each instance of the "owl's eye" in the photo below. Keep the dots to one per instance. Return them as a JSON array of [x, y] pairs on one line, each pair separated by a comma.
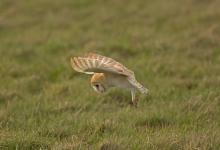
[[97, 86]]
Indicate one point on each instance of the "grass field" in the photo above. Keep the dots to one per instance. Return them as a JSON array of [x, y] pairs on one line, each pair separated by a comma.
[[172, 46]]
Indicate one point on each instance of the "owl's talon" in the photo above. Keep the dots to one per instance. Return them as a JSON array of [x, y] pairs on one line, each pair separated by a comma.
[[133, 104]]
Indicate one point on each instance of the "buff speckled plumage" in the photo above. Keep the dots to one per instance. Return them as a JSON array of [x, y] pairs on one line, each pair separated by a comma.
[[107, 73]]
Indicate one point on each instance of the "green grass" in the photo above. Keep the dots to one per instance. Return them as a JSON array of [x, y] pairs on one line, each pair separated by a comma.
[[172, 46]]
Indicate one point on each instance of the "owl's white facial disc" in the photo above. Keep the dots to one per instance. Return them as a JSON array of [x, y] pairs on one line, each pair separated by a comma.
[[98, 87]]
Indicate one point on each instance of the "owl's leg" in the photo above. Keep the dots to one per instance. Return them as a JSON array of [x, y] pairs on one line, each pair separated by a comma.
[[134, 98]]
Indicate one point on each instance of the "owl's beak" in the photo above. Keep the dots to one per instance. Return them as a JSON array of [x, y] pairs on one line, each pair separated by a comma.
[[102, 90]]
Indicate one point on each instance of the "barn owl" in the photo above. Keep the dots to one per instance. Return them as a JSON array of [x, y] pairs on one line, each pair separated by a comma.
[[107, 73]]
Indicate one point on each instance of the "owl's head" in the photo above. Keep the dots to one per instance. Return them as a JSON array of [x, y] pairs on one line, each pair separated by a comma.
[[98, 82]]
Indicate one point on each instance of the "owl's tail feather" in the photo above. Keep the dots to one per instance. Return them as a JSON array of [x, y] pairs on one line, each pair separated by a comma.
[[142, 89], [139, 86]]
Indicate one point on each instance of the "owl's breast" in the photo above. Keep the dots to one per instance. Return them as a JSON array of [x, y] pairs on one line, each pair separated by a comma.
[[120, 81]]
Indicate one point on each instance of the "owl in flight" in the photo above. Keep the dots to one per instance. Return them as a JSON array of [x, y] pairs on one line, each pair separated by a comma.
[[107, 73]]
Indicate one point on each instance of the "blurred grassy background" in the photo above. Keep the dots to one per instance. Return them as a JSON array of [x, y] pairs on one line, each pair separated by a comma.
[[173, 47]]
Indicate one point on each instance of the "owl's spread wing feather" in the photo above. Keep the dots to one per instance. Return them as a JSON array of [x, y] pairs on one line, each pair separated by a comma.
[[94, 63]]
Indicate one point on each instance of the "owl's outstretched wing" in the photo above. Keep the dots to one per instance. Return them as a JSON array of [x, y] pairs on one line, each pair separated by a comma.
[[94, 63]]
